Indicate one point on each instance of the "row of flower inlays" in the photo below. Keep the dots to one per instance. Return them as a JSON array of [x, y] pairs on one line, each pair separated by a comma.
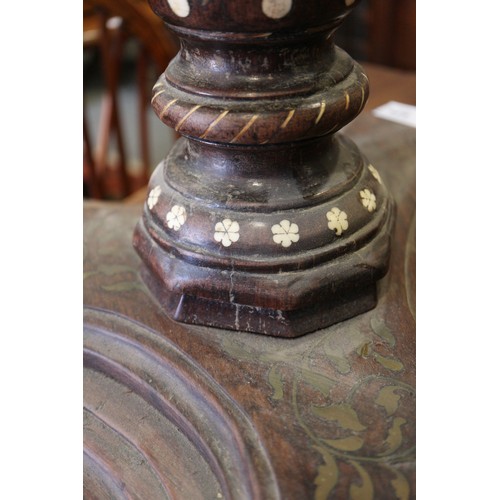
[[285, 233]]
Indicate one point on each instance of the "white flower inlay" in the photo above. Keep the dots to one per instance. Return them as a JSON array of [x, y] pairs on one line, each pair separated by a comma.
[[176, 217], [285, 233], [154, 194], [375, 173], [337, 220], [276, 9], [368, 200], [227, 232], [180, 7]]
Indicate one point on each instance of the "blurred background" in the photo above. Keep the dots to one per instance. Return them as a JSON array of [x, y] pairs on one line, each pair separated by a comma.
[[126, 47]]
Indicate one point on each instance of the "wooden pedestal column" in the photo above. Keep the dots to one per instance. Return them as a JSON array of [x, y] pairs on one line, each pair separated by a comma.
[[261, 218]]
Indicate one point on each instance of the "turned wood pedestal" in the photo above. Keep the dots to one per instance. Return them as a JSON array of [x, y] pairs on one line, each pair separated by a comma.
[[262, 218], [249, 332], [174, 410]]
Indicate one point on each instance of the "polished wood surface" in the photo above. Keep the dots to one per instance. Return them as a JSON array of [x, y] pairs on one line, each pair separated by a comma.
[[386, 84], [262, 218], [392, 33], [173, 410], [389, 84]]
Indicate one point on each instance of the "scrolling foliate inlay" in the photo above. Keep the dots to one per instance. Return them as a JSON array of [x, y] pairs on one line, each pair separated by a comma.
[[344, 388]]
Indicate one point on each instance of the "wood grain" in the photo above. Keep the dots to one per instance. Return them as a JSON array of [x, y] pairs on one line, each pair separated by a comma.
[[261, 219], [333, 412]]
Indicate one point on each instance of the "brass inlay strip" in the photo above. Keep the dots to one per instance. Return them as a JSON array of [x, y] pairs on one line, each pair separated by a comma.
[[186, 116], [157, 94], [362, 99], [166, 107], [214, 123], [321, 111], [288, 118], [347, 100], [245, 128]]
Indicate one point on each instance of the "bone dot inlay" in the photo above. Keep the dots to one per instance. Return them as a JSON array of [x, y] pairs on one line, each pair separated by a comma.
[[276, 9], [179, 7]]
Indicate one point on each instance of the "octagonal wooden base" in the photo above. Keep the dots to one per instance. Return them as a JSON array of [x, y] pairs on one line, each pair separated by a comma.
[[245, 318], [275, 250]]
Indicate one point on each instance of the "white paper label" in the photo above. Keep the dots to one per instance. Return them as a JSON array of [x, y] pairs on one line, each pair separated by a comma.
[[397, 112]]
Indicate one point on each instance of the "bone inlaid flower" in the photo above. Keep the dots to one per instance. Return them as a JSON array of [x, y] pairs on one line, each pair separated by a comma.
[[337, 220], [368, 200], [285, 233], [154, 194], [176, 217], [227, 232], [375, 173]]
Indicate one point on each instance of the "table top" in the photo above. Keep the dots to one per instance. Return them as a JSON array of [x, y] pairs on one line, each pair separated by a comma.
[[389, 84], [172, 410]]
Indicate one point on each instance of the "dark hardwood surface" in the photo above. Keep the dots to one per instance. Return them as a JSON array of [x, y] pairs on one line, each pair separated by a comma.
[[179, 411], [386, 84]]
